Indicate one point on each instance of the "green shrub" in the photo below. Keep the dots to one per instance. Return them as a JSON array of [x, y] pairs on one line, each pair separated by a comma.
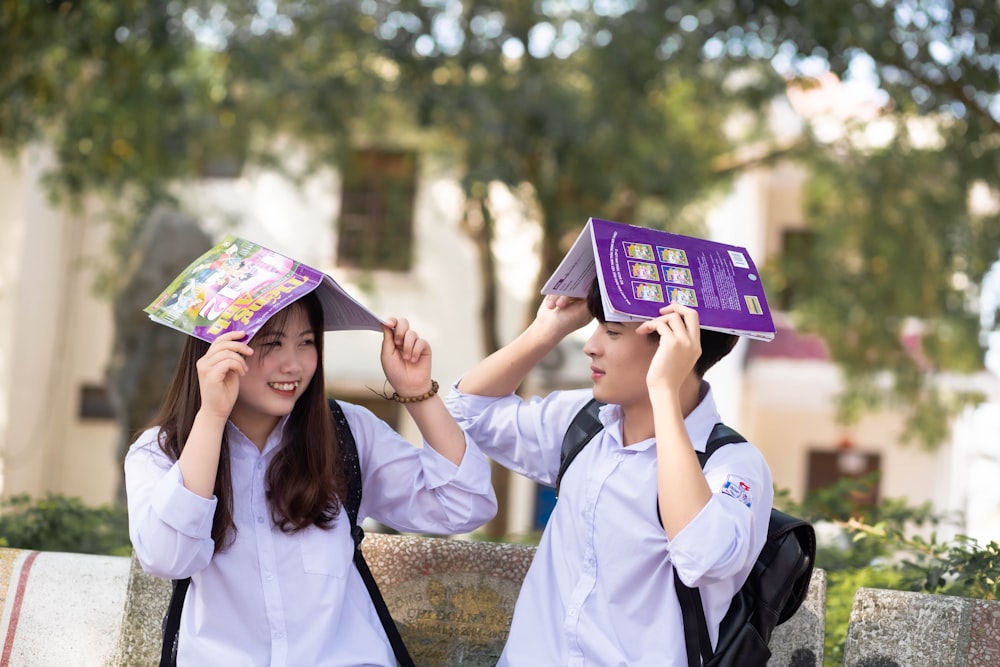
[[59, 523]]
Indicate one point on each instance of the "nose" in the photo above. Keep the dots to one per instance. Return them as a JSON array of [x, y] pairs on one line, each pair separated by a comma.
[[590, 347], [291, 361]]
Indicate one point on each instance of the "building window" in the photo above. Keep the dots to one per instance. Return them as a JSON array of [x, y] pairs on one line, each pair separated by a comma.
[[95, 402], [376, 213], [829, 466]]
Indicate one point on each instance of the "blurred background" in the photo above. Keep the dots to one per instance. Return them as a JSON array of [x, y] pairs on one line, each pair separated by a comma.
[[438, 157]]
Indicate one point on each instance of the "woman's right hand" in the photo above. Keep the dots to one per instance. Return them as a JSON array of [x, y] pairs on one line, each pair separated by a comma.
[[219, 372]]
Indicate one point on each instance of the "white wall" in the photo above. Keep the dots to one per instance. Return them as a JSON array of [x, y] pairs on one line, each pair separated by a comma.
[[55, 337]]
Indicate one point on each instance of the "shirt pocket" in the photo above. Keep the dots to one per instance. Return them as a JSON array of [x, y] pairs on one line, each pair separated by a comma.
[[324, 552]]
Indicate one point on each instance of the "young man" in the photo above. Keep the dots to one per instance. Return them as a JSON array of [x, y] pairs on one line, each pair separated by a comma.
[[635, 504]]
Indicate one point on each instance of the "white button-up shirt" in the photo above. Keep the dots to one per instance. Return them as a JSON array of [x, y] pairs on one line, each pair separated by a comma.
[[291, 600], [600, 591]]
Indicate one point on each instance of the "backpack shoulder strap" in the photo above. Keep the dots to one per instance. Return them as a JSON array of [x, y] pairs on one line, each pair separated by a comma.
[[352, 468], [696, 637], [582, 429], [172, 622], [721, 436], [352, 504]]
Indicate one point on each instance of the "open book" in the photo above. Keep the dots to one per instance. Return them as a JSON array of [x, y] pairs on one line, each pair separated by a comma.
[[239, 285], [640, 270]]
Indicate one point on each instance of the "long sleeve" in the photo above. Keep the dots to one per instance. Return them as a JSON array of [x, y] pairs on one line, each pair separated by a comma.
[[415, 489], [170, 527]]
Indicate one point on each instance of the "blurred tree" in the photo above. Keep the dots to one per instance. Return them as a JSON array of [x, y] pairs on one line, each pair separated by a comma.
[[581, 114], [893, 278], [617, 109]]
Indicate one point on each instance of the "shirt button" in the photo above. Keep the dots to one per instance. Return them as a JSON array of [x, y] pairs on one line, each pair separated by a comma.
[[618, 457], [260, 519]]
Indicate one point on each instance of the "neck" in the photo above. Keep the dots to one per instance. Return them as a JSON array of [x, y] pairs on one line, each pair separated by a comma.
[[257, 429], [637, 419]]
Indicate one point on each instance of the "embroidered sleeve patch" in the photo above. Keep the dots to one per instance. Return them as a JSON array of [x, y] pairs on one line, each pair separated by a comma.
[[738, 488]]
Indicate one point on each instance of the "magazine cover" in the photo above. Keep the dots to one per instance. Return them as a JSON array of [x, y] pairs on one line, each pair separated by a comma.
[[640, 270], [239, 284]]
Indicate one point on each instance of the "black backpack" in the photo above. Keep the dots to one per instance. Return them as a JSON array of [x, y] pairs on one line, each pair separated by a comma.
[[352, 466], [774, 589]]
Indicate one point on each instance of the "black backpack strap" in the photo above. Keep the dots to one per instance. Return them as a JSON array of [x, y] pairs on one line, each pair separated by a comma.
[[582, 429], [352, 466], [172, 623], [696, 637]]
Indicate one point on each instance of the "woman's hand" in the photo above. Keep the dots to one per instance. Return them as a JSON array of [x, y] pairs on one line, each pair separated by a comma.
[[406, 358], [219, 373]]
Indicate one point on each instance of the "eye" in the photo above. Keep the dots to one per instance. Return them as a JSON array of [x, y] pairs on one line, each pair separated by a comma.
[[309, 342]]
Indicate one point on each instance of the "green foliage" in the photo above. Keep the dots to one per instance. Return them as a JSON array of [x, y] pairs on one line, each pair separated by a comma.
[[628, 110], [890, 545], [59, 523], [956, 566]]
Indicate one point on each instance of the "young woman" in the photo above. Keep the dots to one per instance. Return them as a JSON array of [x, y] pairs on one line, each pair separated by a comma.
[[240, 486]]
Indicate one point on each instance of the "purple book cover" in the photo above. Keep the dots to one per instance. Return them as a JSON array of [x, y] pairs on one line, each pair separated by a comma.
[[239, 285], [643, 269]]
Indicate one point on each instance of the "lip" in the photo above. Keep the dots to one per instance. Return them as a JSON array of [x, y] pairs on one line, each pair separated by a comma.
[[284, 388], [596, 373]]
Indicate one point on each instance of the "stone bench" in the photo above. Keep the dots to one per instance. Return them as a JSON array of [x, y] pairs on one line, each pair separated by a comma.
[[451, 599], [903, 629]]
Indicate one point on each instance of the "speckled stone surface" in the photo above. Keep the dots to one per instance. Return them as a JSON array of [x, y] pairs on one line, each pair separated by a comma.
[[69, 610], [452, 600], [141, 630], [798, 642], [903, 629], [984, 636]]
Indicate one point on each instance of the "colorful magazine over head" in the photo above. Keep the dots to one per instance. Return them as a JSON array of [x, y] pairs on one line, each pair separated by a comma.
[[239, 285], [640, 270]]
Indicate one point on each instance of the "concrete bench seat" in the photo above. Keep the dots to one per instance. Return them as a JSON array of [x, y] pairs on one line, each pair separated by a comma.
[[451, 599]]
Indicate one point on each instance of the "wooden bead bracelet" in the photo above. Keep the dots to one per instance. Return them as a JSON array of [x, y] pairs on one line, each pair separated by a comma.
[[416, 399]]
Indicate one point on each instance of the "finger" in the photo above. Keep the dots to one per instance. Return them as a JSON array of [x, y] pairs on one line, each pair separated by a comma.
[[388, 339], [409, 345], [401, 330]]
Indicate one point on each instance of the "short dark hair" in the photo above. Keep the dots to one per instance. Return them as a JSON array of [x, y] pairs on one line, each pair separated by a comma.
[[714, 344]]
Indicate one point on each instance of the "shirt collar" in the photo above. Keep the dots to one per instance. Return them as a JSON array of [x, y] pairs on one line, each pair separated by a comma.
[[699, 423], [237, 439]]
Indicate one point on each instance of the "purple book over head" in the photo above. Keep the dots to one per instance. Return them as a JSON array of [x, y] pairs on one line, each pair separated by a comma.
[[640, 270]]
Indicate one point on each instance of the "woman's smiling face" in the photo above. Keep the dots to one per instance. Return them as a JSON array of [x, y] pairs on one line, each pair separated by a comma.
[[283, 364]]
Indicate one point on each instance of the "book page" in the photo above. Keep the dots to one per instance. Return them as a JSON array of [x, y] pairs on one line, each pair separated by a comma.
[[239, 285], [576, 271]]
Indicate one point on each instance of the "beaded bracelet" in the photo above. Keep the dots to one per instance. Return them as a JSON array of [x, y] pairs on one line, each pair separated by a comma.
[[416, 399]]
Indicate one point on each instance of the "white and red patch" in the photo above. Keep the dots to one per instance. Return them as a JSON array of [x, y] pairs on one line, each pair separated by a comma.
[[738, 488]]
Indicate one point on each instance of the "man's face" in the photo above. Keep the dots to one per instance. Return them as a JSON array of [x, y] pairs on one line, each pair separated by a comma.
[[620, 359]]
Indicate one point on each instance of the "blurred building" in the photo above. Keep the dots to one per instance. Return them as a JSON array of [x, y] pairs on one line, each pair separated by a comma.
[[401, 213]]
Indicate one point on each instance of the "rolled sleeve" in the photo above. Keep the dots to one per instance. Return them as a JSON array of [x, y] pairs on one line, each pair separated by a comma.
[[725, 538], [170, 527], [699, 560], [472, 474], [176, 506]]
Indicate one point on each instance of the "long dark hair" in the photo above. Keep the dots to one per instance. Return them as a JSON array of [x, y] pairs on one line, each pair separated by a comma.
[[305, 480]]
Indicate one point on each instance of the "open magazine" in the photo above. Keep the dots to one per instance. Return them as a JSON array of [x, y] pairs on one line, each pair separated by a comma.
[[640, 270], [239, 285]]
